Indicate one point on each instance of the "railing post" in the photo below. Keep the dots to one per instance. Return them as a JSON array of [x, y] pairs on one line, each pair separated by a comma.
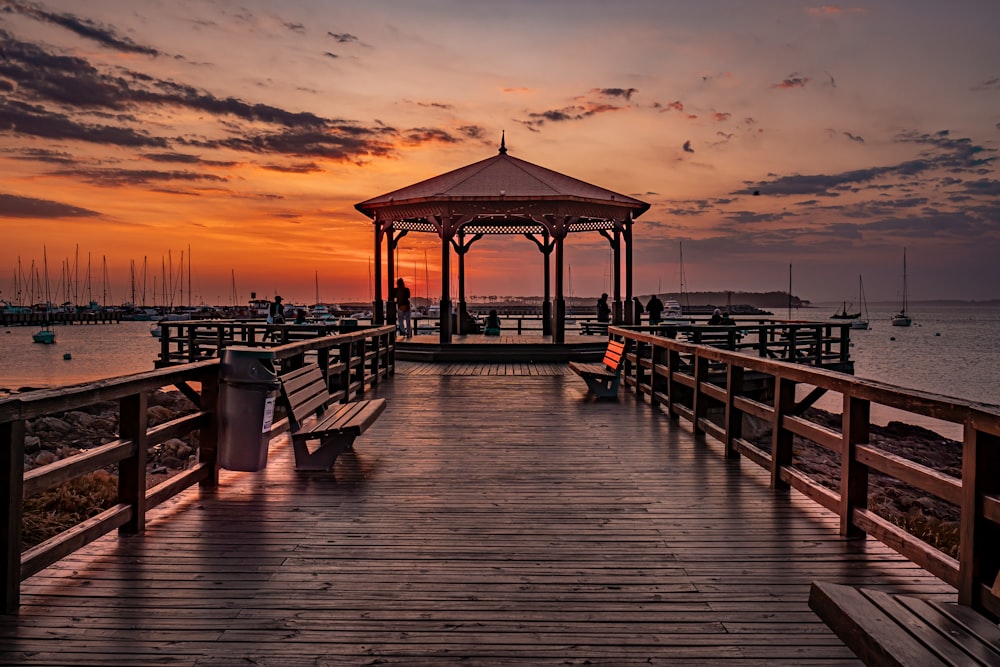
[[640, 373], [734, 418], [699, 406], [132, 423], [856, 418], [11, 511], [208, 436], [781, 440], [978, 557], [673, 366]]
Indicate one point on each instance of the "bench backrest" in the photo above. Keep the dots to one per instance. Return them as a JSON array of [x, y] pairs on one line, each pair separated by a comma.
[[305, 391], [614, 354]]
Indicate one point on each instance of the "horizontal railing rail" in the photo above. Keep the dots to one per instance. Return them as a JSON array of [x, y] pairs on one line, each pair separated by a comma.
[[716, 390], [352, 363]]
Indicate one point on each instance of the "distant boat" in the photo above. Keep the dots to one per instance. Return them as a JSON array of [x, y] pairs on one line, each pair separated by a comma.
[[46, 335], [861, 322], [672, 310], [156, 330], [844, 315], [902, 318]]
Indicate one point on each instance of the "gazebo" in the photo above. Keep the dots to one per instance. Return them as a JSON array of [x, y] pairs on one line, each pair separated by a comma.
[[503, 195]]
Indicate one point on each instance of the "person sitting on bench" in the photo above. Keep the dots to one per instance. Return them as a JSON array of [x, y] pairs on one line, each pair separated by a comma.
[[493, 323]]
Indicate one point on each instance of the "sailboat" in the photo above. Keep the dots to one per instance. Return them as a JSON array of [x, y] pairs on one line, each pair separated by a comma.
[[45, 335], [860, 321], [902, 318]]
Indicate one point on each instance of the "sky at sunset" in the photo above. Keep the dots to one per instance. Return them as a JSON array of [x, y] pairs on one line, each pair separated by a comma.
[[241, 134]]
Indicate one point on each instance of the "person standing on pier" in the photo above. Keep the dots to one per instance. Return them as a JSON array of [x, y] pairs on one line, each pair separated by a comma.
[[603, 310], [276, 312], [403, 309], [637, 310], [655, 309]]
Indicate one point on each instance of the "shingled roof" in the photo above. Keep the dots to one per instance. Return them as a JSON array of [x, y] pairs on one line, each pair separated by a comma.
[[502, 178]]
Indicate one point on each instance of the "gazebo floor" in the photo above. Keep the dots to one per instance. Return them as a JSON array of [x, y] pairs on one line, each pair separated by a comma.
[[526, 347], [487, 518]]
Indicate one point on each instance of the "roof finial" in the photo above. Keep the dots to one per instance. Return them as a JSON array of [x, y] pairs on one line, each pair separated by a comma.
[[503, 143]]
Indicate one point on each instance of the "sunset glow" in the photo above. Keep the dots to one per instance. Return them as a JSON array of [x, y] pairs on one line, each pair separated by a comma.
[[763, 134]]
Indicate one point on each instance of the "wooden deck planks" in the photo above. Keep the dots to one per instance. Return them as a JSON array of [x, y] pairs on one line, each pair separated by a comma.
[[503, 518]]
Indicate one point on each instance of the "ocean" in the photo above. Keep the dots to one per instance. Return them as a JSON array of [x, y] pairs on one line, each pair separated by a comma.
[[951, 349]]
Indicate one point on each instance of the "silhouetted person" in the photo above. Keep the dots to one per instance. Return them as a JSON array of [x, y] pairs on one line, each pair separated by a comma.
[[403, 309], [603, 309], [655, 309], [726, 320], [493, 323], [716, 317], [276, 312], [637, 309], [300, 316]]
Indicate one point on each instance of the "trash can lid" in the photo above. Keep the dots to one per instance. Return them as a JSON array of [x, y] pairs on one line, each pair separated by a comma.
[[246, 352]]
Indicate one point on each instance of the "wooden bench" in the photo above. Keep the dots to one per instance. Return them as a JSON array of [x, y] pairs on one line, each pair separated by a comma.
[[602, 379], [886, 629], [587, 328], [305, 393]]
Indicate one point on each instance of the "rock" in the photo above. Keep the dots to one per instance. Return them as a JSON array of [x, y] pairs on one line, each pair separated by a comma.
[[32, 444], [45, 457], [52, 425], [79, 419], [159, 414]]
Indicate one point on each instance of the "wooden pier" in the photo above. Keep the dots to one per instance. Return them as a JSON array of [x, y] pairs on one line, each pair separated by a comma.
[[496, 515], [40, 318]]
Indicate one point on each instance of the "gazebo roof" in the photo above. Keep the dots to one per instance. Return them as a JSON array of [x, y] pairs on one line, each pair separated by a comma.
[[502, 186]]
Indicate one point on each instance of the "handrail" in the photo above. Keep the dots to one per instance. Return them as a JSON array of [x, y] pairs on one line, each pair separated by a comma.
[[353, 363], [691, 380]]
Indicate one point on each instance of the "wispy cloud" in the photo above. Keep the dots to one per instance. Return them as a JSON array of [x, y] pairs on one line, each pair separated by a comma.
[[103, 35], [792, 81]]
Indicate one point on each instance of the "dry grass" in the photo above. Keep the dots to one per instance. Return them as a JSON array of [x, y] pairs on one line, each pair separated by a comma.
[[59, 509]]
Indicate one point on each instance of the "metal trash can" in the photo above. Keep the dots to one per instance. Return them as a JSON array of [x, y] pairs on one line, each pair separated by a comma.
[[247, 384]]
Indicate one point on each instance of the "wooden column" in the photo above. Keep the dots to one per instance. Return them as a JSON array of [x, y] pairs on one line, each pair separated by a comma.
[[559, 316], [616, 246], [631, 318], [734, 418], [393, 246], [378, 309], [545, 246], [445, 312]]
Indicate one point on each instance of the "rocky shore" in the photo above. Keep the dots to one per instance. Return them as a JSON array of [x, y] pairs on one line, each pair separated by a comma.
[[54, 437]]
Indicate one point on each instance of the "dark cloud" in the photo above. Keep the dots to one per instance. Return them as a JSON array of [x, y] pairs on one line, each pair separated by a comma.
[[12, 206], [854, 137], [307, 168], [573, 112], [296, 27], [792, 81], [436, 105], [422, 135], [342, 37], [625, 93], [687, 147], [672, 106], [44, 155], [330, 55], [67, 98], [103, 35], [942, 155], [130, 177], [989, 84], [187, 158], [473, 131], [19, 118]]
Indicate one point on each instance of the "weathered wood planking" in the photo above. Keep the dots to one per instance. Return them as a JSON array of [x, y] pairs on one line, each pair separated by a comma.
[[501, 519]]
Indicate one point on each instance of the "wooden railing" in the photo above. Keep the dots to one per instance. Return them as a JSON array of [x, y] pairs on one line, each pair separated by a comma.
[[717, 389], [352, 362]]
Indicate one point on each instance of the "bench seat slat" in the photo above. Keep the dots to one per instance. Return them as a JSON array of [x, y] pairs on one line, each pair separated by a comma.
[[356, 417]]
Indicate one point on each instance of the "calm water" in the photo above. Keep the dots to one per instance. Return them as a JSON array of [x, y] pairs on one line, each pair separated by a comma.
[[950, 350]]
